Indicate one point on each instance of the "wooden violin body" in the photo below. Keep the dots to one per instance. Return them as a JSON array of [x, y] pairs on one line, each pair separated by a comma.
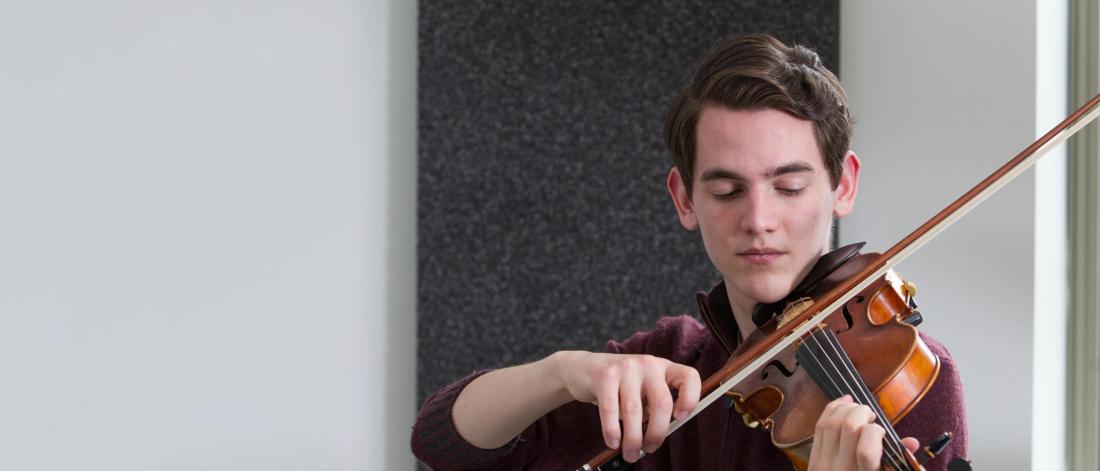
[[872, 328]]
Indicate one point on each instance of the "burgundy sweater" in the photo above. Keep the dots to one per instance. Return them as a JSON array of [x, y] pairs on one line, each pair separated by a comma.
[[716, 439]]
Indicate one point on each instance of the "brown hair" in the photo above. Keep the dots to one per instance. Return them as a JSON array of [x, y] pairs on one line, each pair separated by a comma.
[[759, 72]]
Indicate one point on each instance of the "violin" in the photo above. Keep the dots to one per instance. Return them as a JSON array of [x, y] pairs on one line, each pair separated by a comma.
[[819, 368], [852, 332]]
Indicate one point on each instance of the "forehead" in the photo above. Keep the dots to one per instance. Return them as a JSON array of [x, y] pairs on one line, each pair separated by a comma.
[[753, 142]]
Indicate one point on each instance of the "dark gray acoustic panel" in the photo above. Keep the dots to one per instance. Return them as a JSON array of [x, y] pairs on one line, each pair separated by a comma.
[[544, 223]]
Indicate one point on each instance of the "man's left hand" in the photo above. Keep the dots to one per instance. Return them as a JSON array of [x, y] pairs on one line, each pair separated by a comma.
[[847, 437]]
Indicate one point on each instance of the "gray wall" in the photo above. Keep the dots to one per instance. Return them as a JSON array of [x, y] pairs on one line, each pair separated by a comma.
[[544, 223]]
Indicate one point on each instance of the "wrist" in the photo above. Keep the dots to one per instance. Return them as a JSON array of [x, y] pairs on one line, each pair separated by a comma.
[[559, 366]]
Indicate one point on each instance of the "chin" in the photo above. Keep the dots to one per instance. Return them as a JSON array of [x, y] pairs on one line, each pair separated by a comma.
[[768, 292]]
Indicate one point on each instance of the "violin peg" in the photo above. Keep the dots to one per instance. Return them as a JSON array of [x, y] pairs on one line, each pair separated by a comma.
[[934, 447], [959, 464], [914, 318], [746, 417], [749, 421], [937, 445], [909, 288]]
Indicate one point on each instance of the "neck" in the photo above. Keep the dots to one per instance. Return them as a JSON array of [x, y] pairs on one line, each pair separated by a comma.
[[742, 314]]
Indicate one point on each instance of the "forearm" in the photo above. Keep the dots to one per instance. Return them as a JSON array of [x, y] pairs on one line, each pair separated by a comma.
[[494, 408]]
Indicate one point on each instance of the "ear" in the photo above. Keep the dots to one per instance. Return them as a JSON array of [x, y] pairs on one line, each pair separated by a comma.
[[844, 196], [680, 197]]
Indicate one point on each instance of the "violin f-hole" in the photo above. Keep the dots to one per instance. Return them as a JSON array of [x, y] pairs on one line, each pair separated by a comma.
[[778, 365], [848, 314]]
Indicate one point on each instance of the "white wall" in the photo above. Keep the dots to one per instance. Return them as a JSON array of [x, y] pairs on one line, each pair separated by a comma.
[[206, 220], [944, 92]]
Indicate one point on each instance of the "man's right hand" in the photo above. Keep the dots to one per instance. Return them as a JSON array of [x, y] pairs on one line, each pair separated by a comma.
[[630, 389]]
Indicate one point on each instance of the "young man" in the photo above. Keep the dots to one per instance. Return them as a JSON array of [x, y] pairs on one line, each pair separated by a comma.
[[760, 144]]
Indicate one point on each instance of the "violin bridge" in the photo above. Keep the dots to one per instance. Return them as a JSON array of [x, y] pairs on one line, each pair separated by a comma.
[[793, 309]]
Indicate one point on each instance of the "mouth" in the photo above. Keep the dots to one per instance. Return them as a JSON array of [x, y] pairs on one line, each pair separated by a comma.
[[761, 256]]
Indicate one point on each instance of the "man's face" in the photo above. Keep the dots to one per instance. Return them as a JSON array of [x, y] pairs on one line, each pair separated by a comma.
[[762, 199]]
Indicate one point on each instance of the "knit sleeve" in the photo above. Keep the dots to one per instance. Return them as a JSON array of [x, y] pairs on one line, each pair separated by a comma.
[[435, 440], [569, 433], [677, 338]]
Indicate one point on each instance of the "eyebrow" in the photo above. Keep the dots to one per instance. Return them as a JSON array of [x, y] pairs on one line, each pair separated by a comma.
[[725, 174]]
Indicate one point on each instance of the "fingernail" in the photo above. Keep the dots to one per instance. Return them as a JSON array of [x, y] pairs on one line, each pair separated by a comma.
[[682, 415], [613, 444], [631, 456]]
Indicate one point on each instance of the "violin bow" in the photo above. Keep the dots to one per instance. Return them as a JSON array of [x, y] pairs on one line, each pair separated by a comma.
[[739, 368]]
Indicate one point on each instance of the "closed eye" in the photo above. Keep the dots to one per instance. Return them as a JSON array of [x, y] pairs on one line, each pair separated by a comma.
[[734, 193]]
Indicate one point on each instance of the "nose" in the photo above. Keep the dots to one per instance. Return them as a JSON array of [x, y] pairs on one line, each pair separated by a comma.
[[760, 213]]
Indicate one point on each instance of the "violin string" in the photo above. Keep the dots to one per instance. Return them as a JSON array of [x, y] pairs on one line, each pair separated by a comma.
[[862, 394], [892, 450], [832, 383], [829, 384], [811, 358], [892, 439], [854, 385], [871, 401]]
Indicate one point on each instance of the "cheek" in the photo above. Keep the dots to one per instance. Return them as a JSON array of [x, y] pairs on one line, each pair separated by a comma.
[[711, 227], [719, 227], [811, 221], [713, 216]]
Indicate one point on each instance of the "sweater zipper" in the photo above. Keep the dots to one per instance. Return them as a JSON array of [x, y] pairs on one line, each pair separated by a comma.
[[711, 324]]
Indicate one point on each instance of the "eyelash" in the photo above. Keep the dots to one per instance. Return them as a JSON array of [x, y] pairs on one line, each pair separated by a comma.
[[728, 196], [735, 193]]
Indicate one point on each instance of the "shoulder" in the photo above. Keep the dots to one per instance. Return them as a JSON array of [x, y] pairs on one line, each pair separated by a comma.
[[936, 347], [678, 338], [950, 383]]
